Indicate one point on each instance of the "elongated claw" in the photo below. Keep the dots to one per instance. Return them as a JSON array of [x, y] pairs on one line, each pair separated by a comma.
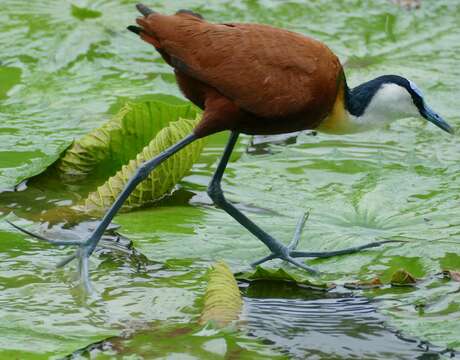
[[87, 247], [284, 255], [302, 266], [67, 260], [83, 267], [298, 230], [54, 242], [82, 254], [287, 258], [292, 245], [355, 249], [264, 259]]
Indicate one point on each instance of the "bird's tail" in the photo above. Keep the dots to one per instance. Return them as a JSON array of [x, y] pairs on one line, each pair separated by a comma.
[[146, 11], [154, 27]]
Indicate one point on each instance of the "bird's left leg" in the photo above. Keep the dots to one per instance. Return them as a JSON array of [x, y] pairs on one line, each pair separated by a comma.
[[278, 249], [86, 247]]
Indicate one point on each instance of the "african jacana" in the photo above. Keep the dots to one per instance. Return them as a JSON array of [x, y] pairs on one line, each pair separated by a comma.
[[257, 79]]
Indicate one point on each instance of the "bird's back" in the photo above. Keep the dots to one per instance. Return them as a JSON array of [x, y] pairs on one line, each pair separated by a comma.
[[266, 71]]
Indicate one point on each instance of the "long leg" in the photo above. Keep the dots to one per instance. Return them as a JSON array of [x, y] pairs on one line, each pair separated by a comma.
[[216, 194], [278, 250], [87, 247]]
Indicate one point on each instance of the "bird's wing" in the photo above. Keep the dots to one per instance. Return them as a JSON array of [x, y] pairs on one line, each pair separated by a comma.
[[267, 71]]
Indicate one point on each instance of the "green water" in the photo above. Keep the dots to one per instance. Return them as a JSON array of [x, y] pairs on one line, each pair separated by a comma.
[[66, 66]]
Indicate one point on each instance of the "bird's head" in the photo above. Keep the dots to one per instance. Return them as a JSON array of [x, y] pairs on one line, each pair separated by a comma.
[[388, 98]]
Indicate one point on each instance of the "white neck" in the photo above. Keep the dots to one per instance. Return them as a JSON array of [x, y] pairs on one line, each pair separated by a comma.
[[391, 102]]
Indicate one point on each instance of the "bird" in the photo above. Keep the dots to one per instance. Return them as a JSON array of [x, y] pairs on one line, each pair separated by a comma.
[[258, 79]]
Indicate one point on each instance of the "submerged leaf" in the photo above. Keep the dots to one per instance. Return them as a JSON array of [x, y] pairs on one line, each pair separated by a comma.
[[222, 300], [263, 274], [402, 277]]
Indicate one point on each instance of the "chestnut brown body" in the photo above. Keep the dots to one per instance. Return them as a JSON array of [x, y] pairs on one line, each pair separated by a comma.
[[250, 78]]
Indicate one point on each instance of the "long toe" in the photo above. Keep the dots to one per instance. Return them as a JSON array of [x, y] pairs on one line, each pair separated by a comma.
[[264, 259], [347, 251], [289, 254], [83, 267], [285, 255], [39, 237], [302, 266], [82, 254]]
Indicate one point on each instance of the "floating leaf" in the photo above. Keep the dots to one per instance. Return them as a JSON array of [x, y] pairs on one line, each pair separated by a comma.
[[222, 300], [263, 274], [402, 277]]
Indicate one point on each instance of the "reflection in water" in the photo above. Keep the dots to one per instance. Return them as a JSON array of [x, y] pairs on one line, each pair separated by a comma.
[[261, 144], [317, 325]]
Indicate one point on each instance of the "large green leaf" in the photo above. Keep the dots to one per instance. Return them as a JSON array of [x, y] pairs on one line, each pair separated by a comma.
[[97, 166], [160, 181], [103, 151]]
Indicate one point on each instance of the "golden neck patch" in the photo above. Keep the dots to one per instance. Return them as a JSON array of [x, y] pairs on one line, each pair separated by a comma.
[[337, 122]]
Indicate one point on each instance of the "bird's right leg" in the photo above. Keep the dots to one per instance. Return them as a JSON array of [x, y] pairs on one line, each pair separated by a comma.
[[278, 249]]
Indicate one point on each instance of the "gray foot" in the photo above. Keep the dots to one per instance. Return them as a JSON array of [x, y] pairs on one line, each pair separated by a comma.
[[82, 254], [288, 253]]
